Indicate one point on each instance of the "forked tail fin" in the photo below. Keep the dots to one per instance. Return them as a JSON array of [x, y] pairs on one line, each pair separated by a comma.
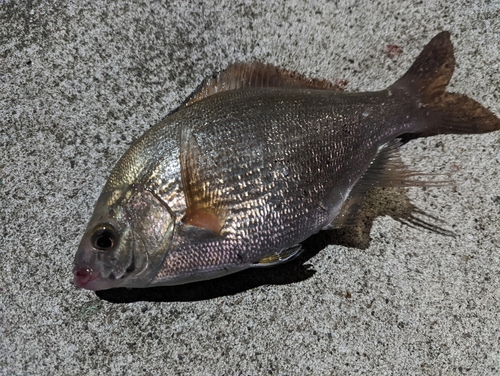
[[438, 111]]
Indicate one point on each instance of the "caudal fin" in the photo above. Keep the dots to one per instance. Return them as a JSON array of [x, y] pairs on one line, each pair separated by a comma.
[[438, 111]]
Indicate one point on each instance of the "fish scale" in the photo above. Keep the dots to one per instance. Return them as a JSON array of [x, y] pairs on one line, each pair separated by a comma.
[[294, 199]]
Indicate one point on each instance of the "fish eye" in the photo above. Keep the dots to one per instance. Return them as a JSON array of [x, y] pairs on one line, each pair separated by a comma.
[[104, 238]]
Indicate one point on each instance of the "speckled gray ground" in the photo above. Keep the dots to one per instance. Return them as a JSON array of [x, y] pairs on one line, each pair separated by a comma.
[[79, 80]]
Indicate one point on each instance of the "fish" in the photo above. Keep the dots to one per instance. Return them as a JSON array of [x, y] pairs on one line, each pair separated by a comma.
[[254, 162]]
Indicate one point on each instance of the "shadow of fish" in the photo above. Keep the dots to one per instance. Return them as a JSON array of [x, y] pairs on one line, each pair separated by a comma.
[[254, 162]]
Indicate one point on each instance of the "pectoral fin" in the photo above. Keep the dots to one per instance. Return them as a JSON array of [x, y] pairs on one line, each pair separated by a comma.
[[279, 257], [204, 207]]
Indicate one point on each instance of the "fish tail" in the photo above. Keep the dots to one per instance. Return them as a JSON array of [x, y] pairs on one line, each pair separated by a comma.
[[437, 111]]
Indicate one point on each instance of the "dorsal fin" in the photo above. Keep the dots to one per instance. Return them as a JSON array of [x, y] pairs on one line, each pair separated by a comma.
[[256, 74], [204, 209]]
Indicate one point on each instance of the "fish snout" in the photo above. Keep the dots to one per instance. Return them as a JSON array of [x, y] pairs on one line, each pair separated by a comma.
[[83, 276]]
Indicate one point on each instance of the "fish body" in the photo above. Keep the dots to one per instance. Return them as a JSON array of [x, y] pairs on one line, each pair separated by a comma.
[[255, 162]]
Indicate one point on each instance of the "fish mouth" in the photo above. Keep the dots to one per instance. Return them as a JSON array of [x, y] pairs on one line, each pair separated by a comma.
[[89, 279], [85, 277]]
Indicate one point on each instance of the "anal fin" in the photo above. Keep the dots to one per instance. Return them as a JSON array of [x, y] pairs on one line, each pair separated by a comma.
[[279, 257], [386, 170]]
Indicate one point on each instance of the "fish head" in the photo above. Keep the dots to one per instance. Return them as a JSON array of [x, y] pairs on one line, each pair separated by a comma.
[[125, 240]]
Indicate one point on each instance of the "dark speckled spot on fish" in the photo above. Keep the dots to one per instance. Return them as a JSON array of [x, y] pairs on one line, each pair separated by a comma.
[[257, 160]]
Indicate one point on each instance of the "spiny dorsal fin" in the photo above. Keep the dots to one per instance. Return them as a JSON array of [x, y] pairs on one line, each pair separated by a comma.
[[386, 170], [204, 209], [256, 74]]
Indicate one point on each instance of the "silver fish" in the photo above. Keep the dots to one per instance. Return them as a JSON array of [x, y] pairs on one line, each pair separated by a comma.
[[254, 162]]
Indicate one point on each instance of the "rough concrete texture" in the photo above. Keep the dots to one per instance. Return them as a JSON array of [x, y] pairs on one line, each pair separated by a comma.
[[80, 80]]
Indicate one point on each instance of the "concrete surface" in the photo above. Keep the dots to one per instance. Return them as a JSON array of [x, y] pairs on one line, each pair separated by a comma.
[[79, 80]]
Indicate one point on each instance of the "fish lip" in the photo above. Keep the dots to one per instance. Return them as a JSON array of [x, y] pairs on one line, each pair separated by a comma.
[[84, 276], [90, 279]]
